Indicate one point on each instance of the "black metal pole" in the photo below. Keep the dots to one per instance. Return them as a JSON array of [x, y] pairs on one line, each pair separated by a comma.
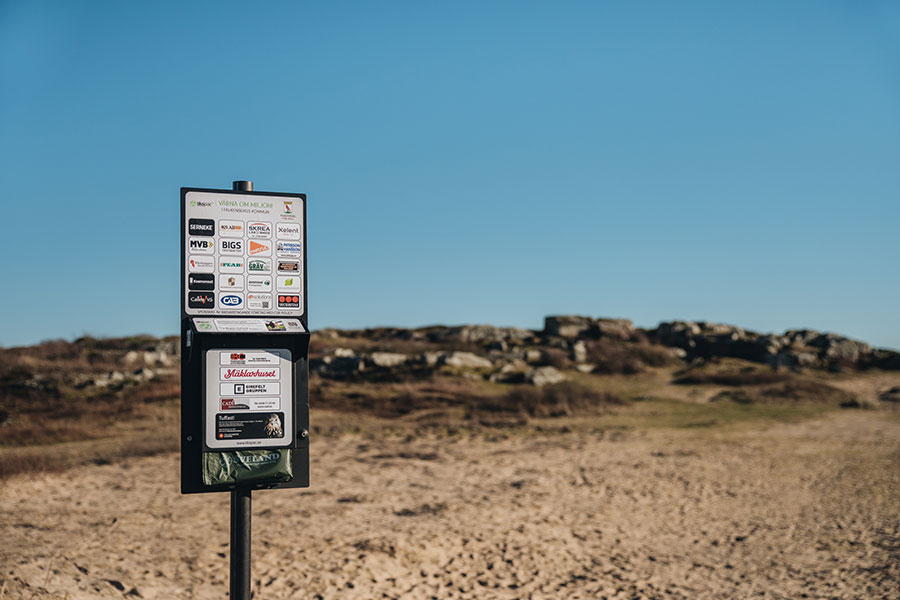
[[240, 512], [240, 544]]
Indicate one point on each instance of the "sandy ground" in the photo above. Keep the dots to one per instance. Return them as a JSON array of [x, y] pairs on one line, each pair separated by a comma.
[[779, 511]]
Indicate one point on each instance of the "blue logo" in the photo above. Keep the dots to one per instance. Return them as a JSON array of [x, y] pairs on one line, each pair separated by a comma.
[[231, 300]]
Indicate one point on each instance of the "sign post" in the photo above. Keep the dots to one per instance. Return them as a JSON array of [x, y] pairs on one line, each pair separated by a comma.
[[244, 351]]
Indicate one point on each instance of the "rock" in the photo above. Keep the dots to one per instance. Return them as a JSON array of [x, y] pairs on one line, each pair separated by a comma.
[[465, 360], [620, 329], [585, 367], [430, 359], [544, 376], [344, 352], [891, 395], [387, 360], [131, 357], [567, 326], [579, 352]]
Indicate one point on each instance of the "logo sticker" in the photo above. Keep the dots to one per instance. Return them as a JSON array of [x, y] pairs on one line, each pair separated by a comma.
[[259, 301], [285, 301], [201, 281], [288, 249], [287, 231], [231, 283], [288, 206], [288, 266], [231, 228], [259, 283], [259, 230], [235, 247], [258, 248], [259, 265], [201, 300], [201, 246], [231, 265], [201, 264], [230, 404], [231, 301], [201, 227], [244, 373], [289, 283]]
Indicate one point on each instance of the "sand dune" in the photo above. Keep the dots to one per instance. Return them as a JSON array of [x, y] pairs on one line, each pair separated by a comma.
[[780, 511]]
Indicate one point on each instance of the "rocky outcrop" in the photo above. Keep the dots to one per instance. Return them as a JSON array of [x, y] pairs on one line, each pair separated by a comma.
[[575, 326]]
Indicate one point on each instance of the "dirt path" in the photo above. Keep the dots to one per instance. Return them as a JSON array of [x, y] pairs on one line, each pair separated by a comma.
[[790, 511]]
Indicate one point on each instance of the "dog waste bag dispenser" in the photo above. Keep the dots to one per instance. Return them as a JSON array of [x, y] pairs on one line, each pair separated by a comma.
[[244, 341]]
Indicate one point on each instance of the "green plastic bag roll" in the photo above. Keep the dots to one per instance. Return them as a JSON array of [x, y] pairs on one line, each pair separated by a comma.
[[247, 466]]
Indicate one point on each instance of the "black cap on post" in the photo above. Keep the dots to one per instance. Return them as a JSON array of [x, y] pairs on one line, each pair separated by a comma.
[[242, 186]]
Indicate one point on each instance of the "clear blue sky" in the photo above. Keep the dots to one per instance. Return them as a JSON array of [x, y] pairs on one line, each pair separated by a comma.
[[486, 162]]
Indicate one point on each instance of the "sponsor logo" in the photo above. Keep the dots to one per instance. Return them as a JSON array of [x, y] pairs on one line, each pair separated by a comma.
[[288, 266], [231, 301], [286, 301], [201, 246], [204, 326], [201, 227], [288, 231], [230, 404], [231, 283], [288, 284], [201, 264], [203, 203], [259, 230], [201, 281], [259, 283], [275, 326], [259, 265], [201, 300], [289, 249], [249, 374], [288, 206], [258, 248], [239, 388], [231, 265], [237, 356], [231, 228], [227, 246], [259, 301]]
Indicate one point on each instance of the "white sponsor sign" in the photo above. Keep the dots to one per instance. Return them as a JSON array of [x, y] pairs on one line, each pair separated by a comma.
[[231, 283], [231, 265], [201, 245], [249, 374], [288, 283], [259, 229], [249, 389], [287, 231], [201, 264], [241, 233], [246, 357], [233, 229], [231, 247]]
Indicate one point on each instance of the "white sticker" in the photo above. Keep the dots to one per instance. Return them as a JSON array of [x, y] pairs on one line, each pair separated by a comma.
[[287, 231], [240, 325], [259, 301], [201, 245], [231, 283], [259, 265], [288, 283], [233, 229], [288, 249], [245, 357], [249, 389], [259, 283], [231, 265], [259, 230], [249, 373], [204, 325], [232, 247], [260, 248], [231, 301], [201, 264]]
